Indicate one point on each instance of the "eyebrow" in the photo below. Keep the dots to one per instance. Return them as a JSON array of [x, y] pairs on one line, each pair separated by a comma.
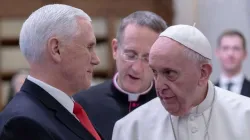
[[169, 69], [133, 51], [129, 51], [162, 69]]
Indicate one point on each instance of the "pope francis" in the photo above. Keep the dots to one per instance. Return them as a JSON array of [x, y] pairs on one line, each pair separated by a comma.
[[188, 106]]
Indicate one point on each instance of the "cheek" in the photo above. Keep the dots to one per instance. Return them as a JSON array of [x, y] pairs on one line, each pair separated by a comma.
[[240, 57], [148, 73], [183, 90], [123, 66]]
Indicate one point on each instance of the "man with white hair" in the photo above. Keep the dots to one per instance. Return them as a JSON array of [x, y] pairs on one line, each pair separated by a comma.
[[188, 106], [58, 42]]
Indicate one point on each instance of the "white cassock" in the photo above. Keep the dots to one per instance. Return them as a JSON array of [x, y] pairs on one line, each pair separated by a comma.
[[223, 115]]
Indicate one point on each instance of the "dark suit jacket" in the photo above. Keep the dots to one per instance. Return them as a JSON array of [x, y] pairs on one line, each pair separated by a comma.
[[33, 114], [105, 104], [245, 87]]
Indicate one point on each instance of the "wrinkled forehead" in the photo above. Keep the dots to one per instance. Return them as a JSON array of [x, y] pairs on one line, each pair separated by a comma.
[[138, 38], [166, 51]]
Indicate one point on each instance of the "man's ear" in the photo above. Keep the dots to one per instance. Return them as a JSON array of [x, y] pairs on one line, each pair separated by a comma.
[[206, 70], [115, 48], [54, 49]]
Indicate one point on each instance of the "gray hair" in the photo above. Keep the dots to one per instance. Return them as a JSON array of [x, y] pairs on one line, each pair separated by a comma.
[[142, 18], [192, 55], [50, 20]]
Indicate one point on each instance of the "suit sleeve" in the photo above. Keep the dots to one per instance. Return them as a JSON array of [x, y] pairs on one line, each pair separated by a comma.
[[23, 128]]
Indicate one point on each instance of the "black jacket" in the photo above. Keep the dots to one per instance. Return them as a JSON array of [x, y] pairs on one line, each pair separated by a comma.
[[33, 114], [105, 104]]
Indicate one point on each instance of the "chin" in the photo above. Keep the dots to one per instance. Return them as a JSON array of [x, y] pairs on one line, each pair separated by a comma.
[[178, 113], [86, 86], [175, 112]]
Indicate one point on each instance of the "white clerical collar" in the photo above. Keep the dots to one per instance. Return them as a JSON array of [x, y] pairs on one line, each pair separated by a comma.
[[131, 96], [207, 102], [236, 80], [65, 100]]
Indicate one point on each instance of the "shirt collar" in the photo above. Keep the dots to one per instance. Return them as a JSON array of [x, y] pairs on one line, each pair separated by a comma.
[[207, 102], [65, 100], [237, 79], [131, 96]]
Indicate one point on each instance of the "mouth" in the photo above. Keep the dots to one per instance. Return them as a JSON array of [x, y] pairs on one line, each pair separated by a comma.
[[133, 77], [90, 71], [165, 96]]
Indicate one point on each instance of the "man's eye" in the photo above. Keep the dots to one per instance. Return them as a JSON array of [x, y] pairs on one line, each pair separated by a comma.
[[130, 55], [171, 75], [90, 47]]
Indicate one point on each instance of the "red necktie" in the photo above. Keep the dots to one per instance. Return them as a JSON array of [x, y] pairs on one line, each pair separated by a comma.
[[84, 119]]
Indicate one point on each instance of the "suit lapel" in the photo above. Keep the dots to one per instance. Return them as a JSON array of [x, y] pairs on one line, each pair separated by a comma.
[[61, 113], [217, 83], [73, 124], [245, 88]]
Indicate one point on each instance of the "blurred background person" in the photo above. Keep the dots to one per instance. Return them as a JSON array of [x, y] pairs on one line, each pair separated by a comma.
[[16, 83], [232, 52]]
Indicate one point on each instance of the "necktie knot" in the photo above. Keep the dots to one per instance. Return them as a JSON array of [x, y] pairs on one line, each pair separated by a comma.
[[229, 86], [77, 108], [84, 120]]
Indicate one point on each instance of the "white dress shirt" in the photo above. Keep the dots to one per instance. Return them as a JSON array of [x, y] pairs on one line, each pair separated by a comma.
[[65, 100], [230, 119], [236, 80]]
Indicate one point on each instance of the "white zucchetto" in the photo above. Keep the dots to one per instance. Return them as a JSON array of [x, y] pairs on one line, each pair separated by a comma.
[[190, 37]]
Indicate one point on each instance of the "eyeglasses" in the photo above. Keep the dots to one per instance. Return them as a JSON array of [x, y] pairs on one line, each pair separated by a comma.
[[132, 57]]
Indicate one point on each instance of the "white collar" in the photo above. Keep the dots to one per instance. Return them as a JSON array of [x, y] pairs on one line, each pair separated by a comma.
[[65, 100], [237, 79], [207, 102], [131, 96]]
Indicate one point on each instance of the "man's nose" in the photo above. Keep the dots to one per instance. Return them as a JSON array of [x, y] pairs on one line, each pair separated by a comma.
[[159, 82], [95, 59], [137, 66]]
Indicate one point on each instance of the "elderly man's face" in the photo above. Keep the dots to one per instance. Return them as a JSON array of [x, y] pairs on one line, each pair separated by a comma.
[[132, 58], [176, 76], [79, 58]]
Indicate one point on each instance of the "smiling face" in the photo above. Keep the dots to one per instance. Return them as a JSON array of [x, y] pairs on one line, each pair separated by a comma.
[[134, 76], [79, 57], [177, 77]]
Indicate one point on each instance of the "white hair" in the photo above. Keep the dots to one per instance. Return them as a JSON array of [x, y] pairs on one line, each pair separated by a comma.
[[50, 20], [192, 55]]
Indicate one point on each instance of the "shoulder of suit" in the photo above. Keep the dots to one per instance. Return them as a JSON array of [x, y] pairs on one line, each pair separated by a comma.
[[247, 81], [232, 100], [26, 125]]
